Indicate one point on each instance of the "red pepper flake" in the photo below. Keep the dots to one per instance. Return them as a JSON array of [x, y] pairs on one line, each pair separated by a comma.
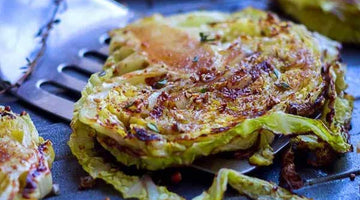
[[86, 182], [275, 188], [7, 108], [176, 178], [23, 113], [145, 44]]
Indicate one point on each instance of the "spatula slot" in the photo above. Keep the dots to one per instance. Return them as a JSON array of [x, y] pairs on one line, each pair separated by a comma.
[[105, 39], [76, 72], [60, 91], [94, 55]]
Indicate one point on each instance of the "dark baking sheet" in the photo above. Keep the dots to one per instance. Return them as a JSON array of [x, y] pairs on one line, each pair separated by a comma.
[[329, 183]]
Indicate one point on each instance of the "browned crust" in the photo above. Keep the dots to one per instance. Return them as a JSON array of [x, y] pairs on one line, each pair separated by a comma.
[[38, 169], [289, 178]]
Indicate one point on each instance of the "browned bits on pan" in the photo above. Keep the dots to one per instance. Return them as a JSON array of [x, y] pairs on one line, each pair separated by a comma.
[[352, 177], [86, 182], [358, 147], [176, 178], [289, 178]]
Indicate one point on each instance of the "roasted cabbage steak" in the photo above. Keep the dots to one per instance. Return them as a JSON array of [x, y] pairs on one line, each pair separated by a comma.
[[180, 87]]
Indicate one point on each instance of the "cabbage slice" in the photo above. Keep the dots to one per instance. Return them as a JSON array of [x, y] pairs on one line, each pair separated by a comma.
[[21, 146], [332, 18], [96, 118]]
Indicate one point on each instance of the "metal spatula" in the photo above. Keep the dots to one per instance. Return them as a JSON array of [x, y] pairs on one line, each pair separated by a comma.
[[80, 44]]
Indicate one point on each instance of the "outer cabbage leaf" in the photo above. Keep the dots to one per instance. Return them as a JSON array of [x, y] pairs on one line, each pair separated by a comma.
[[265, 155], [277, 122], [287, 124], [82, 143], [249, 186], [336, 115]]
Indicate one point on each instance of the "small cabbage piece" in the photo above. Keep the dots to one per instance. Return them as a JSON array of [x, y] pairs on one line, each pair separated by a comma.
[[252, 187], [336, 19], [25, 158], [265, 155]]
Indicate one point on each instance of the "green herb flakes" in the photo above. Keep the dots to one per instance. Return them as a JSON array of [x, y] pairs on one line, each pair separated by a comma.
[[160, 84], [153, 127], [204, 37]]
